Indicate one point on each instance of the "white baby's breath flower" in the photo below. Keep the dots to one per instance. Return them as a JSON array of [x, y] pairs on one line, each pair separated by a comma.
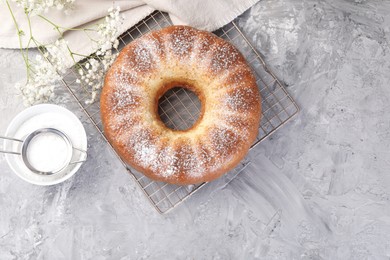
[[40, 85], [43, 6], [58, 54], [46, 69], [93, 71]]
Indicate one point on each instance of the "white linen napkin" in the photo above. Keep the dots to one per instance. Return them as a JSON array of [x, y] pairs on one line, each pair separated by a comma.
[[202, 14]]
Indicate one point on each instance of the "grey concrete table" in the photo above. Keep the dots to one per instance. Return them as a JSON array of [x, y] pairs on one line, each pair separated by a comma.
[[317, 189]]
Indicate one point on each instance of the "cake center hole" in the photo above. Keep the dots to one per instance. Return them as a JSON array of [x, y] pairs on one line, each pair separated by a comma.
[[179, 108]]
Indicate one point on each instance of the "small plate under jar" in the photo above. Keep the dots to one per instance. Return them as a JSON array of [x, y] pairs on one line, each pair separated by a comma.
[[24, 153], [39, 120]]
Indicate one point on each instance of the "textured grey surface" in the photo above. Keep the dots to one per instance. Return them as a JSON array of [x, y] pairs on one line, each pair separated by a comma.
[[317, 189]]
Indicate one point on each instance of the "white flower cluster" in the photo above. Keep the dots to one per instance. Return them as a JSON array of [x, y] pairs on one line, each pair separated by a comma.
[[45, 71], [58, 55], [38, 89], [44, 74], [93, 70], [40, 6]]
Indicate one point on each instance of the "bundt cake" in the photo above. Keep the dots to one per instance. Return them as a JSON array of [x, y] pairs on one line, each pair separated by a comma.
[[197, 60]]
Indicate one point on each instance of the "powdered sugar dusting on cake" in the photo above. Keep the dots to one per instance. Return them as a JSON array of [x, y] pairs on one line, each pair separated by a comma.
[[122, 124], [125, 94], [235, 125], [123, 98], [143, 59], [181, 41], [202, 49], [166, 162], [189, 163], [118, 121], [154, 47], [123, 76], [142, 145], [243, 123], [238, 77], [224, 141], [241, 99], [146, 151], [128, 81], [224, 57], [208, 157]]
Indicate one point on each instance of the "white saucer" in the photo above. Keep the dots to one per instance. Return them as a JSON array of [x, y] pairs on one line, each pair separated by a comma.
[[45, 116]]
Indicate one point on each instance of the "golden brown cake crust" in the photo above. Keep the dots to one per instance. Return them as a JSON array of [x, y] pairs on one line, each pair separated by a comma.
[[207, 65]]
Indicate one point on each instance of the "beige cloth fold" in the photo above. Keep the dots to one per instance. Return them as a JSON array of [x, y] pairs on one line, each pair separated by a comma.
[[202, 14]]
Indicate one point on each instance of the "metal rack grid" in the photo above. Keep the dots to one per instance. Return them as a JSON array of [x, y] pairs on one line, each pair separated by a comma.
[[179, 108]]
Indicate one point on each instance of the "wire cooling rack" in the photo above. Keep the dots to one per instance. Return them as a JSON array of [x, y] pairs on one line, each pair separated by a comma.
[[179, 108]]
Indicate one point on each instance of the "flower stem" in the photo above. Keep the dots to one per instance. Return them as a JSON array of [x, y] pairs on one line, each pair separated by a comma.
[[81, 55], [20, 32], [56, 27]]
